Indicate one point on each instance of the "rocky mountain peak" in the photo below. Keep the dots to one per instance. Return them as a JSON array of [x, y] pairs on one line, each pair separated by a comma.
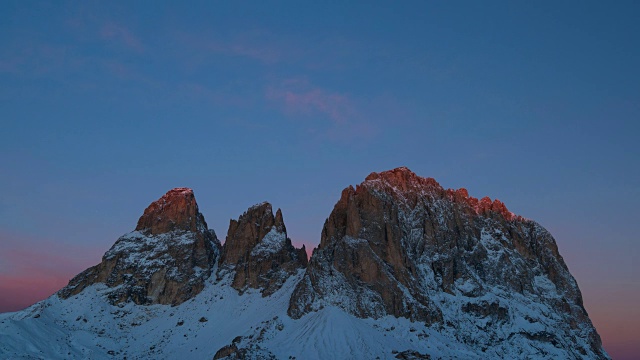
[[401, 245], [164, 261], [279, 222], [403, 179], [258, 252], [404, 184], [246, 232], [473, 280], [175, 210]]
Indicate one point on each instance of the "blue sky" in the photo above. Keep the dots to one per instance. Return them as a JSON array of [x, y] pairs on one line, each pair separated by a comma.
[[106, 106]]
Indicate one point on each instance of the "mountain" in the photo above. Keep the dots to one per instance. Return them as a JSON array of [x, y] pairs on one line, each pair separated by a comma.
[[258, 252], [402, 245], [165, 260], [405, 269]]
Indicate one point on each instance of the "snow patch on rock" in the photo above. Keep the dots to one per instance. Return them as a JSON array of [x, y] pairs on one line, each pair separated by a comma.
[[272, 243]]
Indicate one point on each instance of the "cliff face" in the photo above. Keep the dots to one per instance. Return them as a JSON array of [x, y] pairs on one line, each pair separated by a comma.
[[401, 245], [164, 261], [472, 278], [258, 253]]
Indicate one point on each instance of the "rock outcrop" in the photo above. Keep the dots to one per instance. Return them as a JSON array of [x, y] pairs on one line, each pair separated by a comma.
[[401, 245], [164, 261], [474, 280], [176, 210], [258, 253]]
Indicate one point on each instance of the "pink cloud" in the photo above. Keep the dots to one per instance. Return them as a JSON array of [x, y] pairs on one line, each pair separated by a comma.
[[298, 97], [253, 45], [112, 31], [336, 106], [271, 48]]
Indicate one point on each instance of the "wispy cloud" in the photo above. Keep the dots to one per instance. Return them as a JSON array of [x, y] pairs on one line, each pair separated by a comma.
[[298, 97], [116, 32], [255, 45], [273, 49]]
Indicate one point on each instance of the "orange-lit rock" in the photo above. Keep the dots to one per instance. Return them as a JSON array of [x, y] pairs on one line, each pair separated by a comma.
[[164, 261], [258, 253], [401, 245]]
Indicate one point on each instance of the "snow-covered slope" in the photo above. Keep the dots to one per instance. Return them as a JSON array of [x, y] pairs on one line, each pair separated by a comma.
[[405, 269], [88, 326]]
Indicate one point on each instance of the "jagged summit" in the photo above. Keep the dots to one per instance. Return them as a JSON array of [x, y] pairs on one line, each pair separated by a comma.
[[404, 269], [404, 179], [175, 210], [258, 252], [246, 232], [401, 181], [164, 260], [401, 245]]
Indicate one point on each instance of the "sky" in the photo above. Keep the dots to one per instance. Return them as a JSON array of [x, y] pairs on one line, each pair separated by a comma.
[[105, 106]]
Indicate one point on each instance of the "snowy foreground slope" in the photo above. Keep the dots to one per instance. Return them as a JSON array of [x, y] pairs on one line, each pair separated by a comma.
[[405, 270], [88, 326]]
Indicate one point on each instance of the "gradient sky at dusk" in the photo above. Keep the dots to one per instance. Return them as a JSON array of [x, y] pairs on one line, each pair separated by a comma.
[[105, 106]]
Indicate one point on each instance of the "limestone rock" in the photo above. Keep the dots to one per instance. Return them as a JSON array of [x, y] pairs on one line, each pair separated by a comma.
[[402, 245], [257, 252], [175, 210], [164, 261]]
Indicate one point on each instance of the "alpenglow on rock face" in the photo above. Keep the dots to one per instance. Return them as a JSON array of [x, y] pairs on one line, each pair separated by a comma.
[[401, 245], [258, 252], [405, 269], [164, 261]]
